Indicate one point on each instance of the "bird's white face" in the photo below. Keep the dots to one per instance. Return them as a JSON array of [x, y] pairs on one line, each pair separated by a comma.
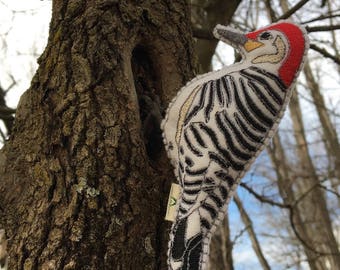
[[272, 48], [268, 47]]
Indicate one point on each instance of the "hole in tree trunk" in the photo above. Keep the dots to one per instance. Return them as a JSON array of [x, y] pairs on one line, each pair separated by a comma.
[[147, 85]]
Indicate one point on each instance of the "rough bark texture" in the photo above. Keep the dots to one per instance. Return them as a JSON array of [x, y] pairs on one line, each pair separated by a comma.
[[84, 179]]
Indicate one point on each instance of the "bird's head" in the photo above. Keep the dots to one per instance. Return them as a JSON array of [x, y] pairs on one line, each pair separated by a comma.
[[279, 47]]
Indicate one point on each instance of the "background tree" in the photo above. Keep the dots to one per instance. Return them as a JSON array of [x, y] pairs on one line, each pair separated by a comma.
[[81, 185]]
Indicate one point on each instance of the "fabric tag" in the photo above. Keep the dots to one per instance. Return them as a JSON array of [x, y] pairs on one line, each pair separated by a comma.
[[171, 209]]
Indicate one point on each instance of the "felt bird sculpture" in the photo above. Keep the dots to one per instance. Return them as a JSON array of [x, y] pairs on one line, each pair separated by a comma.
[[219, 123]]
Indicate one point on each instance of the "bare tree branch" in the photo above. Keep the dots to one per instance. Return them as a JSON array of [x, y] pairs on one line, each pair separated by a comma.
[[322, 28], [251, 232], [293, 10], [325, 53], [4, 110], [321, 17], [270, 10], [262, 198], [330, 191], [6, 113]]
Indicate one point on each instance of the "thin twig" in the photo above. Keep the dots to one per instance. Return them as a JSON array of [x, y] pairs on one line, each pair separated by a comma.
[[330, 191], [239, 235], [262, 198], [321, 17], [325, 53], [322, 28], [6, 110], [271, 10], [293, 10]]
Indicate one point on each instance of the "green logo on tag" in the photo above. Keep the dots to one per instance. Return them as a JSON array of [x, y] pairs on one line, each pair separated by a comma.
[[173, 201]]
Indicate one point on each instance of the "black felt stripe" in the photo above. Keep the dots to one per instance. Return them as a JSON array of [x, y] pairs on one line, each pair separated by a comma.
[[194, 183], [219, 92], [228, 137], [197, 107], [181, 167], [261, 116], [210, 104], [247, 115], [276, 97], [225, 177], [224, 192], [216, 199], [239, 135], [272, 76], [192, 191], [188, 202], [189, 161], [211, 210], [245, 130], [193, 253], [195, 172], [264, 100], [205, 223], [219, 160], [191, 147], [182, 210], [226, 89], [211, 133], [209, 181], [178, 246], [197, 136]]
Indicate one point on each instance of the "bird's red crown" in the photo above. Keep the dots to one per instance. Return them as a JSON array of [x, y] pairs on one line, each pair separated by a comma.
[[298, 42]]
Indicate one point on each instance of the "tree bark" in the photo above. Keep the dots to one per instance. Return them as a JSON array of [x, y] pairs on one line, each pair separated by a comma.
[[84, 178], [207, 15]]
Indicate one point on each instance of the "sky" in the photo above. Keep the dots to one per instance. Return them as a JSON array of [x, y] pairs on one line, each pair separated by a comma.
[[24, 29], [23, 32]]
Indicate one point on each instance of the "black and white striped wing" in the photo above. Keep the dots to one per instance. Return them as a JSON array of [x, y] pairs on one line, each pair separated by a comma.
[[221, 126], [229, 120]]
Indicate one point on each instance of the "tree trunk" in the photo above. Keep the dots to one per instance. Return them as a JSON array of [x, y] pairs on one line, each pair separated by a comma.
[[207, 15], [221, 248], [329, 132], [251, 232], [285, 182], [311, 200], [84, 178]]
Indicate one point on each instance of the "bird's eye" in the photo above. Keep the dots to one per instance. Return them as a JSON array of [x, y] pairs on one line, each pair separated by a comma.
[[266, 36]]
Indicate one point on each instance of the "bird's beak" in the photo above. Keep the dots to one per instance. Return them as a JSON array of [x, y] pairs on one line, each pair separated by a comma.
[[236, 39]]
